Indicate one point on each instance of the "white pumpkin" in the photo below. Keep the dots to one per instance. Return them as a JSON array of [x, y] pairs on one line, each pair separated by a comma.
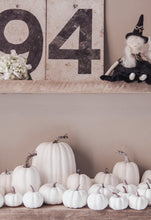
[[6, 180], [143, 185], [124, 193], [52, 193], [2, 191], [129, 188], [97, 201], [24, 176], [106, 178], [145, 192], [118, 202], [138, 202], [126, 170], [33, 199], [75, 198], [146, 176], [77, 179], [107, 191], [55, 161], [13, 199], [1, 200]]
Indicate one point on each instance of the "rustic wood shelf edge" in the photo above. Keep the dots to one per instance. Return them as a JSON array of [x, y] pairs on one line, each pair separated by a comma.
[[60, 212], [48, 86]]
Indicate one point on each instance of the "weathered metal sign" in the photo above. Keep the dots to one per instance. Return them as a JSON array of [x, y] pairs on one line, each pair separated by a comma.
[[62, 40]]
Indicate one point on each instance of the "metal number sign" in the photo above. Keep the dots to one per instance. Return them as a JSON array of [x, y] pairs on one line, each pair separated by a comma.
[[33, 44], [85, 53], [64, 42]]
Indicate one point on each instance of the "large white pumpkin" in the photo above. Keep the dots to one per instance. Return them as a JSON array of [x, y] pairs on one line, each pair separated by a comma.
[[25, 176], [55, 161], [126, 170]]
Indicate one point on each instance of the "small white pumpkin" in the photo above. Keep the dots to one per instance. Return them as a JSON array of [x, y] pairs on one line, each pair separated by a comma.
[[1, 200], [106, 178], [138, 202], [130, 188], [125, 194], [75, 198], [33, 199], [77, 179], [145, 192], [52, 193], [107, 191], [118, 202], [6, 180], [97, 201], [55, 161], [24, 176], [2, 191], [126, 170], [146, 176], [143, 185], [13, 199]]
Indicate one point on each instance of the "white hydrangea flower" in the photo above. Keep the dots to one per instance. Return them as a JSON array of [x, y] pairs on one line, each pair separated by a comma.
[[13, 66]]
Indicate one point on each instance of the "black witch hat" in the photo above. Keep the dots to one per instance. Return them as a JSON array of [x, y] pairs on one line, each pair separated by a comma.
[[138, 30]]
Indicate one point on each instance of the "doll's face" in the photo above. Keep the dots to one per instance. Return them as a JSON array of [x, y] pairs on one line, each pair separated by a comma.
[[135, 42]]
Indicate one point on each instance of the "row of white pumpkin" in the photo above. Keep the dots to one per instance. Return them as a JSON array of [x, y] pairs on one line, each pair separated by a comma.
[[55, 162], [98, 196]]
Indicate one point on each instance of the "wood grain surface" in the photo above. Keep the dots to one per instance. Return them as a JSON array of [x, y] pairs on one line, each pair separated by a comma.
[[48, 86], [61, 213]]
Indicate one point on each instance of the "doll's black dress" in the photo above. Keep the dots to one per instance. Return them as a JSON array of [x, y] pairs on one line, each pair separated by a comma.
[[121, 73]]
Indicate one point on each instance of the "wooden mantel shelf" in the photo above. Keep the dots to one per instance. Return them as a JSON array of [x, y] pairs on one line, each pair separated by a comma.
[[47, 86], [60, 213]]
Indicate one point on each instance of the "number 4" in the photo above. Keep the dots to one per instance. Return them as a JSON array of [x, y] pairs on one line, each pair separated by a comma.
[[83, 19]]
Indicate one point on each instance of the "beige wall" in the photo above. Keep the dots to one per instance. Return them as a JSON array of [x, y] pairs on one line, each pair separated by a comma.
[[97, 124]]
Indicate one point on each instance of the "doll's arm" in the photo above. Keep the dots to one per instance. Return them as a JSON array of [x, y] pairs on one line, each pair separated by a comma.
[[112, 67]]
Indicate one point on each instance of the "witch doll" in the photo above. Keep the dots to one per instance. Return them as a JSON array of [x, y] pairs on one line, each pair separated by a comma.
[[136, 64]]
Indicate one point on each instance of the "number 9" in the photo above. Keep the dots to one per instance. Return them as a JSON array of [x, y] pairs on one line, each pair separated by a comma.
[[33, 44]]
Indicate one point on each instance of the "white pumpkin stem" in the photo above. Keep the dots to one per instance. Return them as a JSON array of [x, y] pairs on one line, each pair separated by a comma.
[[78, 171], [116, 194], [77, 188], [127, 160], [59, 138], [149, 180], [137, 194], [148, 185], [103, 185], [13, 190], [54, 185], [7, 172], [106, 170], [125, 191], [33, 190], [125, 182], [27, 165]]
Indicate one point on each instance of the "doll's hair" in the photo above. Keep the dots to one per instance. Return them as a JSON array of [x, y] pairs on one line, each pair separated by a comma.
[[128, 60]]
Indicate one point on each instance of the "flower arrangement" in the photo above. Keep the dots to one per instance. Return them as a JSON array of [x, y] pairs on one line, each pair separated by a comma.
[[14, 67]]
